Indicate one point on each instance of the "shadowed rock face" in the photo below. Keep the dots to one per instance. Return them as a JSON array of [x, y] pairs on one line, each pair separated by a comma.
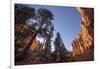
[[83, 45]]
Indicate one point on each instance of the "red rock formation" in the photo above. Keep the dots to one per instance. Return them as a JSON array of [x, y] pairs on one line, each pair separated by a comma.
[[83, 45], [35, 45]]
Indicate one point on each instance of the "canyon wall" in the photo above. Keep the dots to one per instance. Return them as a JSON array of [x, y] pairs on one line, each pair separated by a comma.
[[83, 45]]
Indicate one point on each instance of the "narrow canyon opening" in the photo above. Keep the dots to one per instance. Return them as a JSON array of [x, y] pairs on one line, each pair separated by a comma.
[[34, 32]]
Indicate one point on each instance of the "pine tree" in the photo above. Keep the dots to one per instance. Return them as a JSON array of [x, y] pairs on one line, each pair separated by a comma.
[[60, 50], [43, 28], [22, 14]]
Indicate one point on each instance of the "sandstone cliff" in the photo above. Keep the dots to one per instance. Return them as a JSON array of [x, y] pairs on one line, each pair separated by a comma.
[[83, 45]]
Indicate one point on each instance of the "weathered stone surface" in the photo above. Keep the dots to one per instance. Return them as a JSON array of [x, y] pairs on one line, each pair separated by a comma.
[[35, 45], [83, 45]]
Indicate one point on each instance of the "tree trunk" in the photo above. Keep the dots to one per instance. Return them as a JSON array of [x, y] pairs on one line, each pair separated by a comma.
[[23, 54]]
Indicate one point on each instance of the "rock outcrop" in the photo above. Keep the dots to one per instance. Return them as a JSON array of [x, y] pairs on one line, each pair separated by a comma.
[[35, 45], [83, 45]]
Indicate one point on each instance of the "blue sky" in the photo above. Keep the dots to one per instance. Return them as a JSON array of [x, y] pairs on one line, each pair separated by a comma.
[[66, 21]]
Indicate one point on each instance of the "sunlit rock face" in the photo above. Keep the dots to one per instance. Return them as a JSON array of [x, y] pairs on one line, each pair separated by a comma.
[[83, 45], [35, 45]]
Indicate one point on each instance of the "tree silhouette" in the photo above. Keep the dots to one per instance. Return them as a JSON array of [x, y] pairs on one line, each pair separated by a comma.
[[43, 17], [43, 28], [22, 14], [60, 51]]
